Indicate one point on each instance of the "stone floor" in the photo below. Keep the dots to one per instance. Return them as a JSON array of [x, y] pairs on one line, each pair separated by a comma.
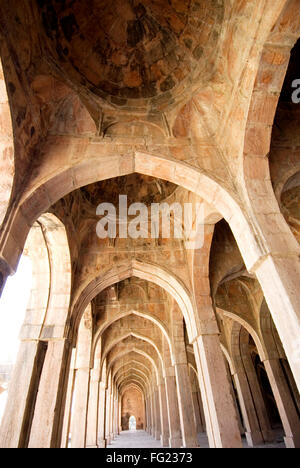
[[134, 439], [141, 439]]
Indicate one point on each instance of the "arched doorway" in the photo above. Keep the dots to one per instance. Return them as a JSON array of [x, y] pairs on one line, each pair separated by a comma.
[[132, 423]]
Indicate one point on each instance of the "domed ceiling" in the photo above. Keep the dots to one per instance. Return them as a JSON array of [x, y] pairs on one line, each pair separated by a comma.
[[132, 53]]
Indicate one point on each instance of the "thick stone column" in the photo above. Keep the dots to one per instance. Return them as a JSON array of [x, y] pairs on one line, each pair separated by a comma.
[[285, 403], [82, 382], [69, 398], [187, 419], [101, 416], [47, 421], [115, 417], [92, 413], [279, 279], [80, 408], [257, 397], [292, 382], [173, 412], [220, 415], [153, 412], [165, 433], [157, 414], [253, 432], [107, 416], [17, 419], [5, 271], [197, 412], [119, 414], [149, 414], [111, 415]]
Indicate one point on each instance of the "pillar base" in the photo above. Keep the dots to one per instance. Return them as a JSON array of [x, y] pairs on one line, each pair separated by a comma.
[[292, 442], [268, 436], [175, 443], [164, 441], [191, 444], [157, 435], [254, 438], [91, 447], [102, 443]]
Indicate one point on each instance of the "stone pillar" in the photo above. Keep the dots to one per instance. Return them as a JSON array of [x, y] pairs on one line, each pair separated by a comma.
[[234, 397], [285, 403], [157, 414], [101, 416], [46, 429], [153, 412], [92, 414], [111, 416], [279, 279], [253, 432], [292, 382], [258, 400], [187, 419], [115, 418], [173, 412], [17, 419], [165, 433], [5, 271], [82, 382], [202, 416], [149, 418], [146, 414], [107, 416], [80, 408], [197, 412], [119, 414], [69, 399], [220, 414]]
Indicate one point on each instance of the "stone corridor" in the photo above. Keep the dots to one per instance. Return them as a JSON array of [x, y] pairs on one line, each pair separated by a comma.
[[150, 173]]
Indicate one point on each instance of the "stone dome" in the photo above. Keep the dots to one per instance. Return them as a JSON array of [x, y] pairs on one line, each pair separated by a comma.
[[133, 53]]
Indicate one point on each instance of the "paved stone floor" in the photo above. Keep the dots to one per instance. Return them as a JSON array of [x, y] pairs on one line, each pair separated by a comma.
[[140, 439], [135, 439]]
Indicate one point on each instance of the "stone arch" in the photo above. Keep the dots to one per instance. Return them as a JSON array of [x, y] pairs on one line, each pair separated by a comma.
[[7, 164], [249, 328], [140, 352], [134, 386], [93, 168], [144, 315], [152, 273], [119, 378], [47, 245], [130, 363], [138, 337], [132, 379]]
